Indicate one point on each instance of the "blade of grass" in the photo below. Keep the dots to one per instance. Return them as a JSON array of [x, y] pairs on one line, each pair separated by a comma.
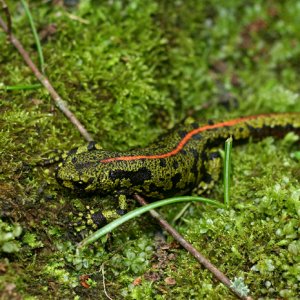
[[138, 211], [226, 172], [181, 213], [20, 87], [36, 37]]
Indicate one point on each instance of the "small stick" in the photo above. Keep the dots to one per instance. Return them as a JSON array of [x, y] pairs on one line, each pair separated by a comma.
[[60, 103], [103, 281], [189, 247], [8, 17]]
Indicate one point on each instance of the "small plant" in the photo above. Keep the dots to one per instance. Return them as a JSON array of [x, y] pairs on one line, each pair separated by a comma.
[[137, 259], [239, 285], [8, 234]]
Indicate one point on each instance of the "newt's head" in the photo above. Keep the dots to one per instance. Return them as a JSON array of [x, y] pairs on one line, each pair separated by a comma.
[[85, 172]]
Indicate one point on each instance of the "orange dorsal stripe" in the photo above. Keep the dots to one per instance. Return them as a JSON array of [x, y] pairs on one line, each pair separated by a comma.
[[188, 136]]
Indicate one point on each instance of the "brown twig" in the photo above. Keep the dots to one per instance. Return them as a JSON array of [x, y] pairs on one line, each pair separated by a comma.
[[8, 17], [199, 257], [60, 103]]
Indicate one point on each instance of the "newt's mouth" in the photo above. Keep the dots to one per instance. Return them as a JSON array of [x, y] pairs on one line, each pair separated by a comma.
[[66, 183], [75, 186]]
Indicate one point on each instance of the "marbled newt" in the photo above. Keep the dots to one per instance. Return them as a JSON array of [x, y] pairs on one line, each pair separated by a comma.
[[181, 161]]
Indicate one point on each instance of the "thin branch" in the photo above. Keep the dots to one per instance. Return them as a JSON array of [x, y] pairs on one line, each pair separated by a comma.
[[60, 103], [199, 257], [103, 281], [8, 17]]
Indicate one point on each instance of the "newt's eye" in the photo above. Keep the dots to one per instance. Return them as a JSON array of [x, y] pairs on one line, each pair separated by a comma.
[[80, 185]]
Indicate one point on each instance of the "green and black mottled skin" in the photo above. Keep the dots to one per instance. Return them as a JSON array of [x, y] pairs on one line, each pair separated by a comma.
[[181, 161]]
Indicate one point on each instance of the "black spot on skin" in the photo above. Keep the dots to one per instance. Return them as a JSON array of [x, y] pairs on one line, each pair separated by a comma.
[[276, 131], [175, 164], [197, 137], [84, 165], [183, 152], [91, 146], [207, 178], [195, 153], [241, 129], [136, 177], [194, 169], [74, 159], [175, 179], [216, 129], [214, 155], [80, 185], [113, 175], [59, 180], [73, 151], [162, 162], [99, 219], [203, 155], [153, 187], [91, 180], [251, 128], [120, 211], [182, 133], [195, 125], [210, 122], [289, 127], [266, 130]]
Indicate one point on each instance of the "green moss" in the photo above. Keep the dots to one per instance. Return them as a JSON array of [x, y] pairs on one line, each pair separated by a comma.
[[31, 240], [130, 70], [8, 236]]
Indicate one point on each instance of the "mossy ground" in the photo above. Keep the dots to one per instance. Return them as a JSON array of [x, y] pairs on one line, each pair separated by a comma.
[[129, 71]]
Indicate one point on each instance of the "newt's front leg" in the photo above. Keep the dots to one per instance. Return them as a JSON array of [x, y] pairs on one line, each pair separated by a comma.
[[100, 218]]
